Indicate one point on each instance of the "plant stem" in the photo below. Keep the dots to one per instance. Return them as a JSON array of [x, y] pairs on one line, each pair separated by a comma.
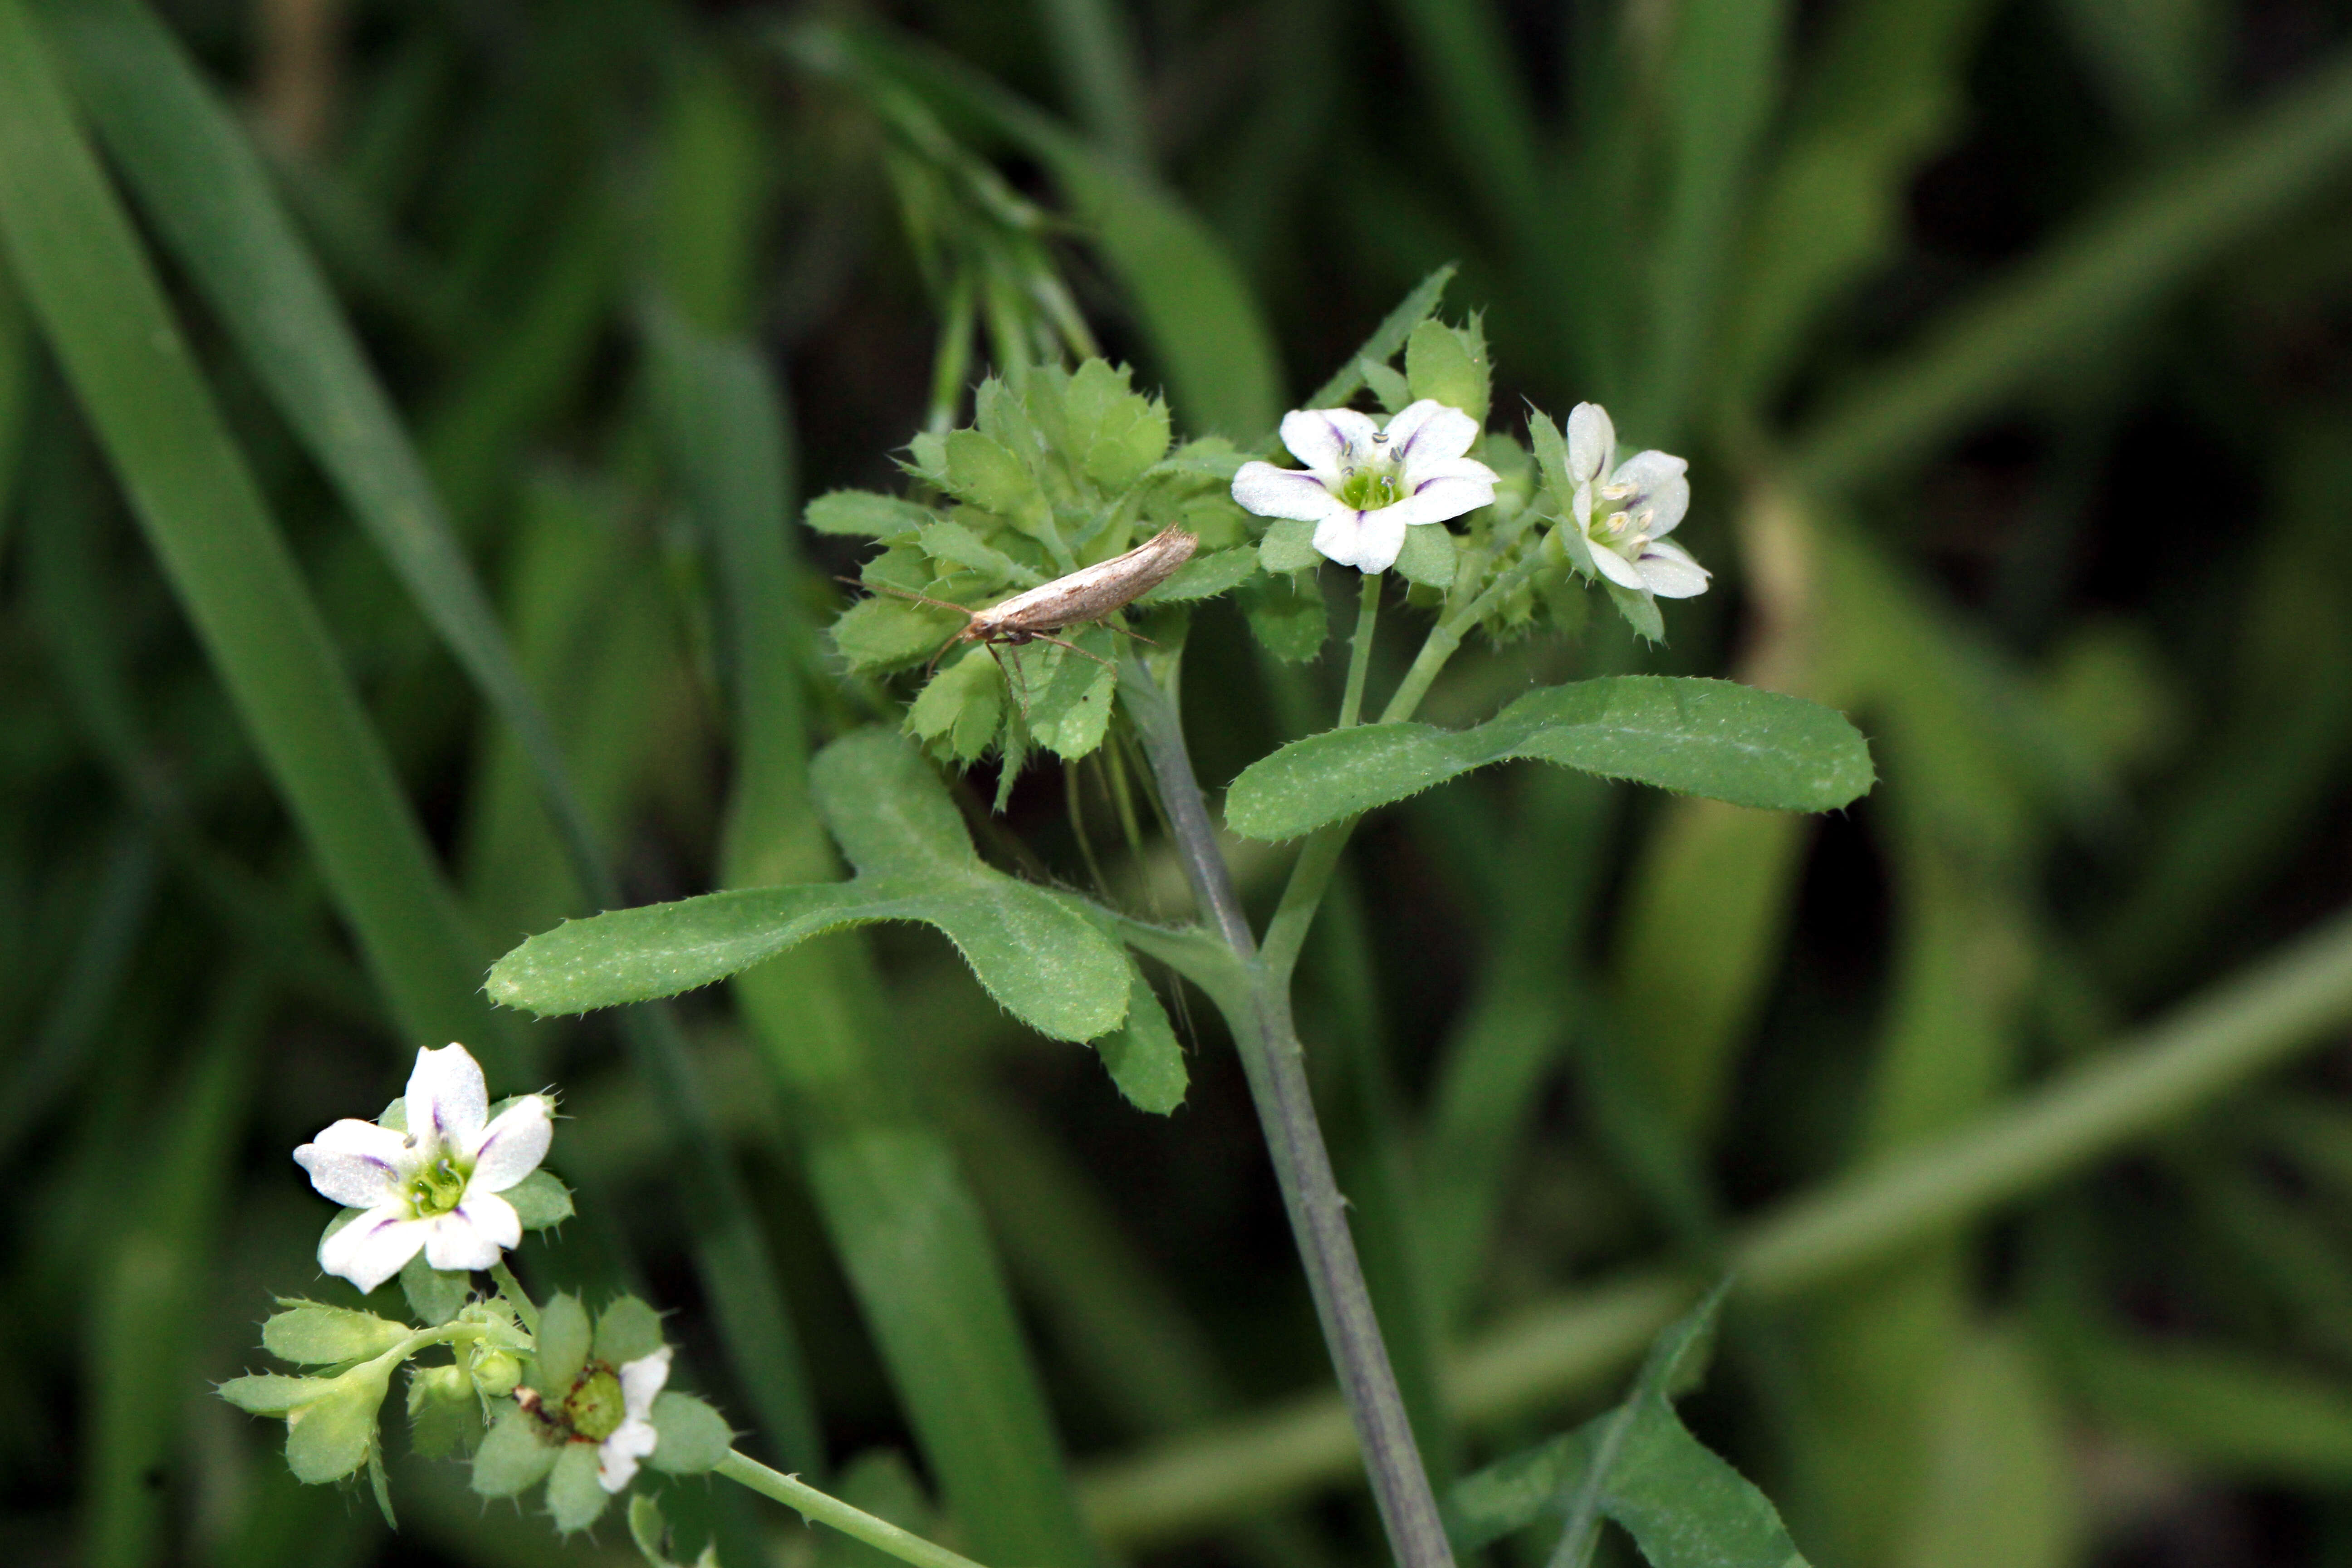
[[1271, 1056], [819, 1508], [508, 1285], [1360, 659]]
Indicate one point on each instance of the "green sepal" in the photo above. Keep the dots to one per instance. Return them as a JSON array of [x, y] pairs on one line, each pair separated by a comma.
[[627, 1331], [445, 1414], [574, 1496], [540, 1201], [1428, 556], [434, 1295], [1639, 608], [309, 1333], [272, 1392], [1450, 365], [329, 1438], [514, 1455], [562, 1347], [694, 1436], [1289, 546]]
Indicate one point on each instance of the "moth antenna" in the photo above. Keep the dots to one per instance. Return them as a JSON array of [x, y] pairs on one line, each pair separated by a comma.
[[897, 593]]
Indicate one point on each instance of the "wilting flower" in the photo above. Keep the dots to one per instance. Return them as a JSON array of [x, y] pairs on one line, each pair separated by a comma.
[[1626, 513], [1363, 486], [633, 1438], [432, 1186]]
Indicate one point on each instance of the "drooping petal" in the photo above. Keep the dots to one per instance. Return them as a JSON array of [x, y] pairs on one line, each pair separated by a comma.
[[357, 1163], [641, 1380], [617, 1458], [373, 1247], [1439, 499], [1617, 569], [1670, 571], [511, 1146], [1429, 432], [1325, 439], [1592, 439], [1270, 491], [447, 1100]]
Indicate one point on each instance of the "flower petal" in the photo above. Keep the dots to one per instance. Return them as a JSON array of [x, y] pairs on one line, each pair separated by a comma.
[[1670, 571], [1452, 469], [1668, 502], [1270, 491], [459, 1241], [1430, 432], [494, 1218], [617, 1458], [1323, 438], [1337, 537], [447, 1100], [1645, 471], [1592, 439], [1379, 537], [1440, 498], [641, 1380], [512, 1146], [373, 1247], [357, 1163], [1617, 569]]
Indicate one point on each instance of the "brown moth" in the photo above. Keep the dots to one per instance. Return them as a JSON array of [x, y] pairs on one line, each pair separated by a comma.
[[1088, 593]]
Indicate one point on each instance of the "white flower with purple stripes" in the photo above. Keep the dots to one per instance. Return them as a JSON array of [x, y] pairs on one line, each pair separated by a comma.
[[1626, 511], [1363, 486], [431, 1185]]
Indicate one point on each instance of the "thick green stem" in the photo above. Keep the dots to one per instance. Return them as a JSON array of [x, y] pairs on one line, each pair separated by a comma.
[[1271, 1056], [819, 1508]]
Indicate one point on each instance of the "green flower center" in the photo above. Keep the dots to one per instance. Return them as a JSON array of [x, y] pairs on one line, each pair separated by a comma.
[[594, 1408], [437, 1188], [1371, 486]]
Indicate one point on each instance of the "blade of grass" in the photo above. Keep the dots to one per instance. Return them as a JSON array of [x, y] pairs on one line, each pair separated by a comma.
[[104, 312], [1552, 1353], [2060, 302], [1096, 55], [908, 1231]]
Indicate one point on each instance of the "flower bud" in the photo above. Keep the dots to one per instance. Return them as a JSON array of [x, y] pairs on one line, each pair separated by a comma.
[[496, 1373]]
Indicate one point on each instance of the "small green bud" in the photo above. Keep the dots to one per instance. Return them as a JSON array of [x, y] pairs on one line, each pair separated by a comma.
[[496, 1373]]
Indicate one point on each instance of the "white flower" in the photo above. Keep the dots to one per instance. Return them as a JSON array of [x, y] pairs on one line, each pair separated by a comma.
[[1364, 486], [635, 1439], [434, 1187], [1626, 514]]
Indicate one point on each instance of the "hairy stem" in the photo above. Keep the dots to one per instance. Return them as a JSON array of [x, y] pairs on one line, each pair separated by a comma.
[[817, 1508], [1268, 1041]]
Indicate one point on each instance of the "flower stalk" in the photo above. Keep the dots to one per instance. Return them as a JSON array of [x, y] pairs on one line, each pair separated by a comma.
[[1275, 1064]]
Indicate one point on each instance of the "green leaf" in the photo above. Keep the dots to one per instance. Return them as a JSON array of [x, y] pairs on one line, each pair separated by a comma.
[[310, 1334], [1046, 965], [694, 1436], [1285, 613], [1070, 712], [514, 1455], [433, 1294], [272, 1394], [574, 1496], [1450, 365], [962, 704], [863, 513], [627, 1331], [983, 472], [329, 1438], [1428, 556], [562, 1345], [1205, 577], [540, 1201], [888, 633], [1711, 738], [959, 546], [1290, 546], [1144, 1056], [1388, 386]]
